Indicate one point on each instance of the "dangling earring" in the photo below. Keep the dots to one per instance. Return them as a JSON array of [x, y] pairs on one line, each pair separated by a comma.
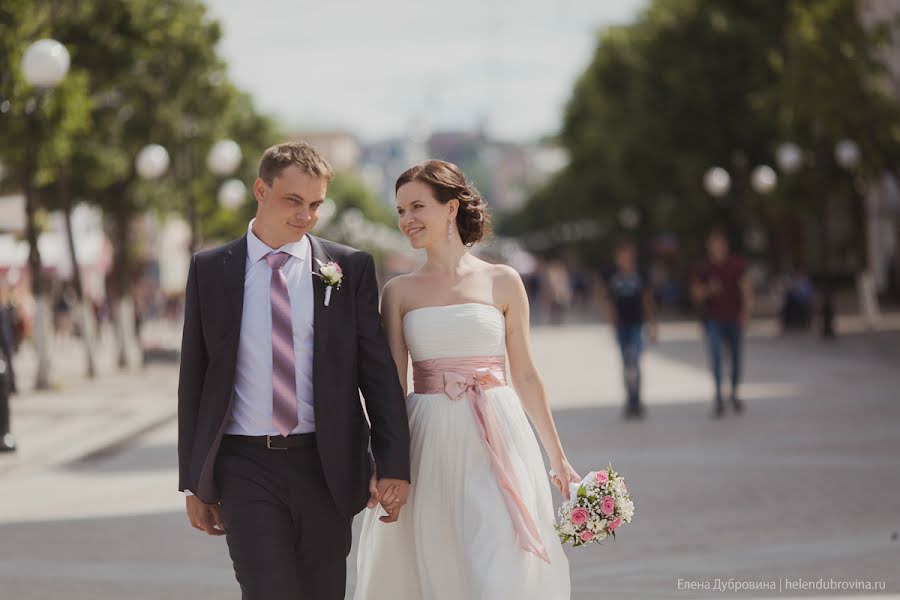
[[450, 231]]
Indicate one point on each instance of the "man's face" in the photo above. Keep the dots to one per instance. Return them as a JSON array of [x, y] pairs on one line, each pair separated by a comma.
[[288, 209]]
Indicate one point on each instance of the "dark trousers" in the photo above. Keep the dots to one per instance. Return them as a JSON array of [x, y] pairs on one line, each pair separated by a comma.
[[286, 538], [631, 342], [729, 333]]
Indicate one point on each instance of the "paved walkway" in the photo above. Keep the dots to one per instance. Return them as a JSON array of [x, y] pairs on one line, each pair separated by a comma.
[[801, 489]]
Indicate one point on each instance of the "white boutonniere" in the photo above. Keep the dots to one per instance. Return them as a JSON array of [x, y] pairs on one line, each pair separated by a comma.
[[331, 275]]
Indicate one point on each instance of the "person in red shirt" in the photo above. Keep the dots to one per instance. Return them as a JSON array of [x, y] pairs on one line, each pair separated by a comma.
[[721, 287]]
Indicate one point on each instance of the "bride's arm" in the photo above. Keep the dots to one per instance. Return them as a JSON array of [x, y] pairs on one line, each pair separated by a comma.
[[392, 319], [525, 377]]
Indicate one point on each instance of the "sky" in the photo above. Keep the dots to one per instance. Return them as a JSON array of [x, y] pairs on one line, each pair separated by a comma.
[[378, 68]]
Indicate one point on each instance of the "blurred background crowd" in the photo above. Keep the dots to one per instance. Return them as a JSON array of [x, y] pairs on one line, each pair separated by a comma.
[[130, 134]]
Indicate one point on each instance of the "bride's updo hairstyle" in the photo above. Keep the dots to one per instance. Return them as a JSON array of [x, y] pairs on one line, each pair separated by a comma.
[[447, 182]]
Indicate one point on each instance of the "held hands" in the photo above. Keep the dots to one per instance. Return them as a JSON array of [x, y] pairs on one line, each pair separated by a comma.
[[562, 474], [391, 493], [204, 517]]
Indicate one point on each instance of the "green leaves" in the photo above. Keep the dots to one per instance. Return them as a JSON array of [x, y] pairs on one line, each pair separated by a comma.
[[696, 83]]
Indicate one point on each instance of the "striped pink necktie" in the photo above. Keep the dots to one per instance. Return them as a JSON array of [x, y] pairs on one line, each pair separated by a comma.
[[284, 385]]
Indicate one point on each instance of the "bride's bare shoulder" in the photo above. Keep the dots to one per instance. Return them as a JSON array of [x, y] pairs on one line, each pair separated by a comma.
[[399, 289], [504, 275], [506, 284]]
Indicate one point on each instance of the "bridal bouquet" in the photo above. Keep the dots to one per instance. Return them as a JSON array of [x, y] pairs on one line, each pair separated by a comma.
[[596, 508]]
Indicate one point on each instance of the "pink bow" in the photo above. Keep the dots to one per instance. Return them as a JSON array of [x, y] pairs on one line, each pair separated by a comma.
[[455, 385], [469, 374]]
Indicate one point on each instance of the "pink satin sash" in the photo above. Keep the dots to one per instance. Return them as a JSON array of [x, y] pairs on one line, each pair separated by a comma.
[[456, 376]]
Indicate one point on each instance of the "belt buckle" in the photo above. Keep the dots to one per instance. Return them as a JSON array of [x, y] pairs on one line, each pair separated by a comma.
[[270, 446]]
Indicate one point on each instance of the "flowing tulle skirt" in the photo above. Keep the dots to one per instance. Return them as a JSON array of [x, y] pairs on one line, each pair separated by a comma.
[[454, 539]]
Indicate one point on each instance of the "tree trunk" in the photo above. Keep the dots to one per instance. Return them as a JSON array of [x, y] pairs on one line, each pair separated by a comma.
[[41, 322], [123, 313], [84, 313]]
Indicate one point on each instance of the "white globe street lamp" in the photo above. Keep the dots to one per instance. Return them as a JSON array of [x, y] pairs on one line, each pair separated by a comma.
[[717, 181], [152, 161], [847, 154], [224, 157], [326, 212], [789, 157], [763, 179], [232, 193], [45, 63]]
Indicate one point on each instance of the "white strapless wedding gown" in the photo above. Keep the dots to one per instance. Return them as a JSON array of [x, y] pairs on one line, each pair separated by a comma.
[[455, 538]]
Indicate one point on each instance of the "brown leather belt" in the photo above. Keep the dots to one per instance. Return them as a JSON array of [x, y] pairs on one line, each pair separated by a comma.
[[277, 442]]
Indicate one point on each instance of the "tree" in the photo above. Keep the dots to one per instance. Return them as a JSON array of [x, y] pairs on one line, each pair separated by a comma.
[[154, 77], [39, 128], [142, 71], [697, 83]]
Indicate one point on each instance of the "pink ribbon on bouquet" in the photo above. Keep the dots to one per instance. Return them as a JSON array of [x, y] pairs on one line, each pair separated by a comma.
[[455, 377]]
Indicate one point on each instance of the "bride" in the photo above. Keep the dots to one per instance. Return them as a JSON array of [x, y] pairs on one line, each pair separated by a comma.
[[478, 523]]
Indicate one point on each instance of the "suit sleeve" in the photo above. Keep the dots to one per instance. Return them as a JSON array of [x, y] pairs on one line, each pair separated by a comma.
[[194, 361], [380, 383]]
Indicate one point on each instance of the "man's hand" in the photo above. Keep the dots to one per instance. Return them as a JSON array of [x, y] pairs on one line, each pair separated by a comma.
[[392, 494], [204, 517]]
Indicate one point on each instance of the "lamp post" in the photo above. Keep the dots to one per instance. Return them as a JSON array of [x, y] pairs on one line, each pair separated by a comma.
[[223, 159], [231, 194], [847, 154], [789, 157], [44, 65], [717, 182], [763, 179], [151, 163]]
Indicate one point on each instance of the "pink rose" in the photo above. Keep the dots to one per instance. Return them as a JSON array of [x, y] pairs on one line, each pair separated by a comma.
[[608, 505], [602, 477], [579, 516], [614, 524], [586, 536]]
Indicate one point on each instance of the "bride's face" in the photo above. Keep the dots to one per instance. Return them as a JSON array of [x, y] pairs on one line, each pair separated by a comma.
[[421, 217]]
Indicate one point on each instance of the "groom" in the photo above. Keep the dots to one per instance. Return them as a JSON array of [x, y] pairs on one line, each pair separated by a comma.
[[272, 439]]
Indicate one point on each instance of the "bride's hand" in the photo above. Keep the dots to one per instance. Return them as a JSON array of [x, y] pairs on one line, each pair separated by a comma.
[[562, 474]]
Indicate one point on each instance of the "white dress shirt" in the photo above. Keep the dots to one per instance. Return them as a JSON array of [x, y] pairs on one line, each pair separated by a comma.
[[251, 412]]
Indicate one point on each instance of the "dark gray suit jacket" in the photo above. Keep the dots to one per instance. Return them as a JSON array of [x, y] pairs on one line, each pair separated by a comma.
[[350, 354]]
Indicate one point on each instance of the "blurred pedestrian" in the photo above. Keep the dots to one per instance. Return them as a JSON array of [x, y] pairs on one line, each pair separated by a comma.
[[797, 303], [721, 288], [7, 374], [627, 304], [559, 291]]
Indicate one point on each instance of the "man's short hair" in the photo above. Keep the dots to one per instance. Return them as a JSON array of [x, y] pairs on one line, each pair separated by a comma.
[[299, 154]]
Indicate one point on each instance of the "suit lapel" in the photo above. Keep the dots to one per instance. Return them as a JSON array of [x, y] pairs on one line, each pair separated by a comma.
[[320, 311], [234, 265], [321, 318]]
